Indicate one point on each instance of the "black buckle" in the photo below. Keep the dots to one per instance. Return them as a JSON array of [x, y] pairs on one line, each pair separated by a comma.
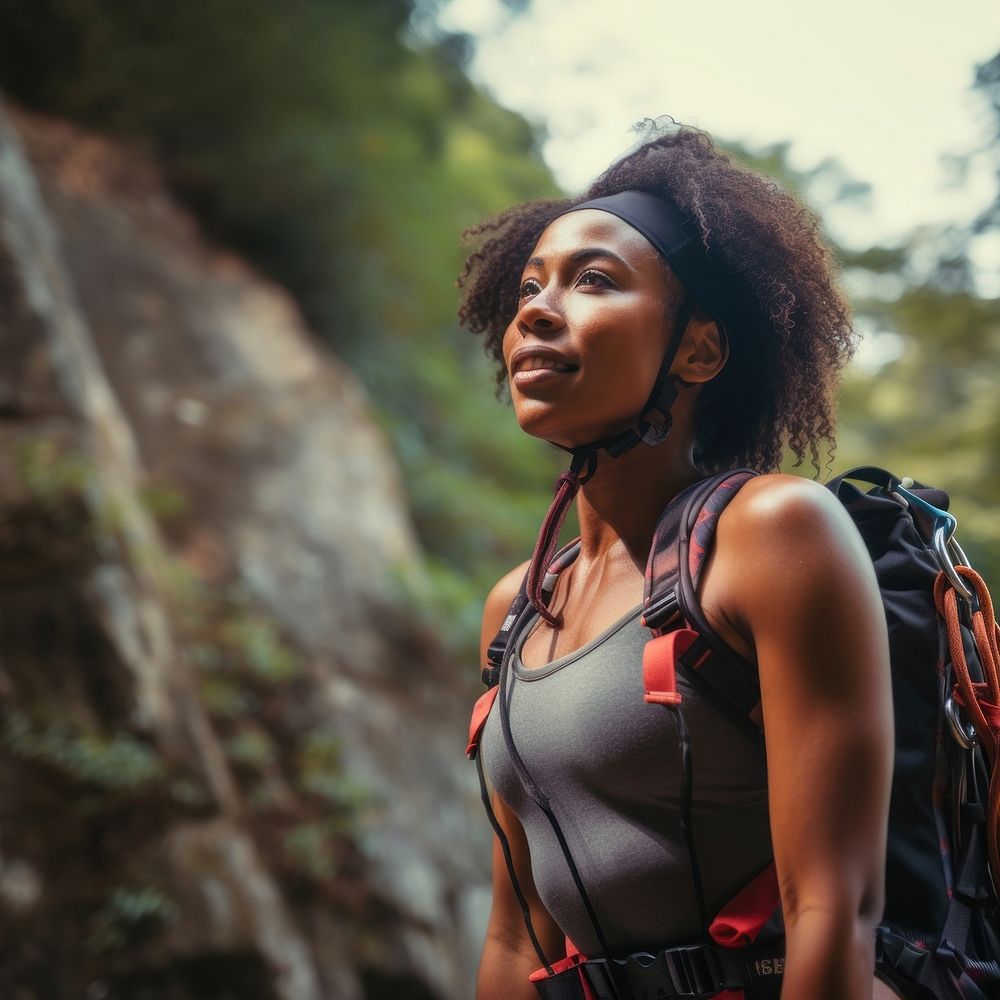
[[670, 974], [899, 953], [659, 611], [694, 970]]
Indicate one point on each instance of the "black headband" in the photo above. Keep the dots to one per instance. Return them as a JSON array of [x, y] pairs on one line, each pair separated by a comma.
[[676, 237]]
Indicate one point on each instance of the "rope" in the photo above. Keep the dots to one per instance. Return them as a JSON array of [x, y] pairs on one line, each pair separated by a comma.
[[567, 486], [977, 697]]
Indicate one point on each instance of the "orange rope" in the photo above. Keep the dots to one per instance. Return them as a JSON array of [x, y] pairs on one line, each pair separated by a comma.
[[985, 632], [947, 604], [984, 627]]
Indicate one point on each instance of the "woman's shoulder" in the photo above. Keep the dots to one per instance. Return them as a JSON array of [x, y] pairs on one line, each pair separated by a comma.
[[787, 562], [778, 508], [784, 540], [498, 602]]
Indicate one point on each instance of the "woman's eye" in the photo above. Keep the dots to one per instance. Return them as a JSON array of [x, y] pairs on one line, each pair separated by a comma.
[[592, 277], [530, 287]]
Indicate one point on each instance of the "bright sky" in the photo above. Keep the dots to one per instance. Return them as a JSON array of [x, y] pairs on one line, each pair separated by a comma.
[[883, 86]]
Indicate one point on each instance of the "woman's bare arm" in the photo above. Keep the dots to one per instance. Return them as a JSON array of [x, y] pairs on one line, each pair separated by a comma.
[[508, 957], [794, 577]]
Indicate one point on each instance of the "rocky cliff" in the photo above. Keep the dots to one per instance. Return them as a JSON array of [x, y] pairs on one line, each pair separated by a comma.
[[230, 759]]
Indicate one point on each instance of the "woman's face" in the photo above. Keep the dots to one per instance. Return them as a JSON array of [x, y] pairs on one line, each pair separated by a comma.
[[590, 331]]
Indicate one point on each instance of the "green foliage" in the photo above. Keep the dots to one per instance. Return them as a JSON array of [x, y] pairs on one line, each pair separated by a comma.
[[164, 502], [117, 763], [933, 413], [344, 156], [51, 472], [226, 698], [235, 644], [309, 849], [251, 745], [253, 636], [286, 760], [127, 910], [321, 773], [930, 410]]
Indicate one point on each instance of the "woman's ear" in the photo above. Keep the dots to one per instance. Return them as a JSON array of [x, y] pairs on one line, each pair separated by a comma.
[[703, 353]]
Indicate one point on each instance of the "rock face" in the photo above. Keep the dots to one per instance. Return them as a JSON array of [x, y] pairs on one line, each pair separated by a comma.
[[231, 761]]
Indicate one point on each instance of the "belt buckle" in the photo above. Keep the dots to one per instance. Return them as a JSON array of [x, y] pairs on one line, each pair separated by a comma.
[[694, 971]]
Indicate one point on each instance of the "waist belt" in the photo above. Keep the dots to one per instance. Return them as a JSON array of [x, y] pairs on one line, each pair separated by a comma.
[[694, 972]]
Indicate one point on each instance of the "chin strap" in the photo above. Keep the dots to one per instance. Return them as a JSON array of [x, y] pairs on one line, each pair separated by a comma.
[[652, 428]]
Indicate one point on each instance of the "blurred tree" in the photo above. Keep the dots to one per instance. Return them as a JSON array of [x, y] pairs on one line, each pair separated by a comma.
[[344, 155], [921, 399], [929, 408]]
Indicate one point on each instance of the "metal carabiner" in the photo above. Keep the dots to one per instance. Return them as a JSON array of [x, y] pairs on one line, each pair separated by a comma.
[[942, 540], [964, 733], [944, 545]]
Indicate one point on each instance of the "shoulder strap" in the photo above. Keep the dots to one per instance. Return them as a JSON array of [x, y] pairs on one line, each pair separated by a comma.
[[497, 648], [681, 546], [659, 605]]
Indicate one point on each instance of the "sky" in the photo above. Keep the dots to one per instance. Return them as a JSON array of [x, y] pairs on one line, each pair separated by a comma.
[[883, 86]]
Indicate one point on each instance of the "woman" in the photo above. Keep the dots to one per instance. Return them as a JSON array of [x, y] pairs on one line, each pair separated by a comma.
[[655, 366]]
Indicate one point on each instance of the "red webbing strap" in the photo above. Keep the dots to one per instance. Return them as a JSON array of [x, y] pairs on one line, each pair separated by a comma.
[[991, 711], [740, 921], [659, 659], [573, 960], [479, 713]]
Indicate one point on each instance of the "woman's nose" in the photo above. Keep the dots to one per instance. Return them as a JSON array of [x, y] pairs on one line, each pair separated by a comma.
[[540, 313]]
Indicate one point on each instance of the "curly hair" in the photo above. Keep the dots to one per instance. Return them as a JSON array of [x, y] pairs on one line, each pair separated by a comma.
[[778, 388]]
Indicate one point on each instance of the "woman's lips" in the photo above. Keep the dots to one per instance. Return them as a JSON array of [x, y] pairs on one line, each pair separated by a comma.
[[536, 376], [530, 367]]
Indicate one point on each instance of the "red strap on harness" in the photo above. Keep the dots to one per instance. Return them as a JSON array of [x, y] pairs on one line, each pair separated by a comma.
[[744, 916], [659, 674], [572, 960], [480, 711]]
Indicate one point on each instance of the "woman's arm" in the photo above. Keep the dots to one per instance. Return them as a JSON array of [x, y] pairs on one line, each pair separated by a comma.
[[794, 578], [508, 957]]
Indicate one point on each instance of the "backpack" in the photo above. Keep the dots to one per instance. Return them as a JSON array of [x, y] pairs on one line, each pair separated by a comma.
[[940, 935]]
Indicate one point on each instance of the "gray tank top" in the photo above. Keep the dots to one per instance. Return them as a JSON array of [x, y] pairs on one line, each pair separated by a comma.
[[610, 766]]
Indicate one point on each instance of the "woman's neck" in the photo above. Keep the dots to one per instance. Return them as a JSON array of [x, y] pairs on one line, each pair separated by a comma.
[[623, 501]]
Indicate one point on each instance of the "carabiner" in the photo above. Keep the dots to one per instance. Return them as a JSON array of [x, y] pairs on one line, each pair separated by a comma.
[[944, 545], [963, 732], [942, 540]]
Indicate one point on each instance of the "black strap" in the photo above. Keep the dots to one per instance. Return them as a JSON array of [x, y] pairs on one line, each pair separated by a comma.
[[509, 861], [654, 423], [497, 648], [687, 816], [871, 474], [532, 789]]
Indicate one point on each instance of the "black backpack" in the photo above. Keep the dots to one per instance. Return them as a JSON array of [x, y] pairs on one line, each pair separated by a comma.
[[939, 936]]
